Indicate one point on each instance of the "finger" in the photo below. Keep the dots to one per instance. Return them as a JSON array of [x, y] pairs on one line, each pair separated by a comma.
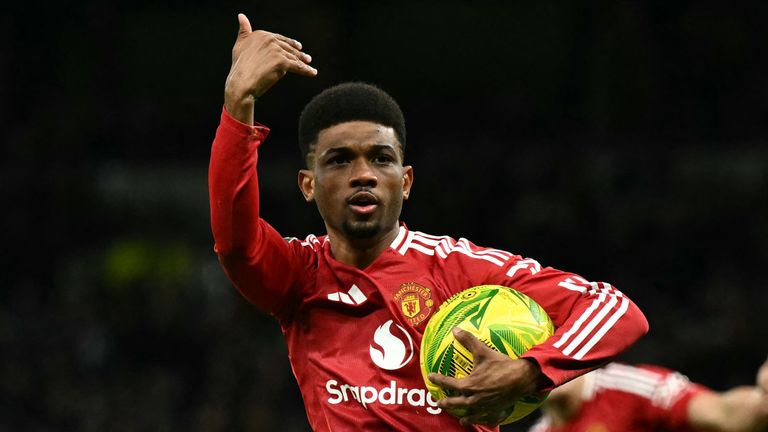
[[292, 42], [297, 66], [457, 394], [306, 58], [444, 382], [306, 70], [456, 402], [301, 68], [485, 419], [469, 341], [245, 25], [472, 418], [491, 417], [469, 421]]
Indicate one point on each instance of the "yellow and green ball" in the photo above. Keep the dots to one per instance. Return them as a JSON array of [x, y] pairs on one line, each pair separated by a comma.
[[502, 318]]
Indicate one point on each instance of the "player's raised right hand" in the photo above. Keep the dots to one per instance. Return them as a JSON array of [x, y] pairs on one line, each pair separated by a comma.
[[259, 60]]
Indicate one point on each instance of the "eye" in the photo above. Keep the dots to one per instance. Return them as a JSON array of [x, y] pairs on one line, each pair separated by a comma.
[[338, 160], [383, 159]]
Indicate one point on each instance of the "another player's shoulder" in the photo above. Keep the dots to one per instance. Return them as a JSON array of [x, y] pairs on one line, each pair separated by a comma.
[[622, 375], [660, 385], [640, 370], [444, 246]]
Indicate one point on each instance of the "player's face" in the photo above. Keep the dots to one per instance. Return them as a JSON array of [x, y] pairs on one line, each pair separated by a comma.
[[357, 179]]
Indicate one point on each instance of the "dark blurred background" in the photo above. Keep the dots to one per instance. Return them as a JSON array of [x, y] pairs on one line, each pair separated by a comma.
[[625, 141]]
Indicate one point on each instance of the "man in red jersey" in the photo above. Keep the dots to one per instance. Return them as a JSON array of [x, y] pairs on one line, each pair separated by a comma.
[[646, 398], [353, 304]]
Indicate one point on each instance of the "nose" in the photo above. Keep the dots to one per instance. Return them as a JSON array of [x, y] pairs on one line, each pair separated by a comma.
[[362, 174]]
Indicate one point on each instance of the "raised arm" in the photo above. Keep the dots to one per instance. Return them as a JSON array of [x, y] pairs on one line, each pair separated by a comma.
[[742, 409], [254, 255]]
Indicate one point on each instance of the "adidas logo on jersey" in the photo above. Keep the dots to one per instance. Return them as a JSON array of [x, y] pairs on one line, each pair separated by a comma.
[[354, 296]]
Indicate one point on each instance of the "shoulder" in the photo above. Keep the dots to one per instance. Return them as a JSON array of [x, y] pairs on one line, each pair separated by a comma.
[[445, 247]]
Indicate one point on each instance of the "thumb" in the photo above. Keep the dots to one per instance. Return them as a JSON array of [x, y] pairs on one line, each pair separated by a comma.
[[469, 341], [245, 25]]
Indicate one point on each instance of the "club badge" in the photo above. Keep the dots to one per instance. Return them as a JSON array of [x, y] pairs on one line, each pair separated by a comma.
[[415, 302]]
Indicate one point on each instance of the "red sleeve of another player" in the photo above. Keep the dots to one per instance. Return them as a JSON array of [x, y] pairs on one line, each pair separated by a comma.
[[262, 265], [594, 321], [671, 396], [676, 418]]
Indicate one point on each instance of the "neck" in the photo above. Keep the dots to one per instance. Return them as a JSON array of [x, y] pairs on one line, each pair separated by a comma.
[[360, 253]]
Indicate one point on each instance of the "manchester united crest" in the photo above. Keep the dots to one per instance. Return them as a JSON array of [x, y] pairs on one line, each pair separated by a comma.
[[415, 302]]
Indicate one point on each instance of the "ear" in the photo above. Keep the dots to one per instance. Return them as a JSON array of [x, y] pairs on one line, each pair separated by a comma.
[[307, 184], [407, 180]]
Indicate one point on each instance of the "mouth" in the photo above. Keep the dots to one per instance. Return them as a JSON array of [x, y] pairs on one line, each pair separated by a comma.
[[363, 202]]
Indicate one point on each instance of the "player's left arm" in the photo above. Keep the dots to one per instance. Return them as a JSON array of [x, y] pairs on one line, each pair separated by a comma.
[[741, 409], [595, 322]]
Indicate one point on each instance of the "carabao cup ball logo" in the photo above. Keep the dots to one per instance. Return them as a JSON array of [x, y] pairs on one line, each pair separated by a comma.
[[391, 350]]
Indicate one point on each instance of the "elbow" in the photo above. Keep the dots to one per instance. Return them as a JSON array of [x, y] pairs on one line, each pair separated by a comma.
[[230, 257], [640, 321], [225, 250]]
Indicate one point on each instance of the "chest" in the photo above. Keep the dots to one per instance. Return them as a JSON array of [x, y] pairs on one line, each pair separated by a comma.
[[408, 292]]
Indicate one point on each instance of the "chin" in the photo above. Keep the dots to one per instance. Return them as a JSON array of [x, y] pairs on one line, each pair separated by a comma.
[[362, 230]]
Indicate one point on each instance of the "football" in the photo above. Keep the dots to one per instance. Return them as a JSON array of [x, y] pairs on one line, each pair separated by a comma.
[[504, 319]]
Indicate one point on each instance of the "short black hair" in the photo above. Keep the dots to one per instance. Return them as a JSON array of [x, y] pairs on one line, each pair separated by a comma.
[[345, 102]]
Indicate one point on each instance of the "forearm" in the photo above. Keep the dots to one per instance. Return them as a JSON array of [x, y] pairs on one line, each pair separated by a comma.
[[233, 186], [248, 248], [742, 409]]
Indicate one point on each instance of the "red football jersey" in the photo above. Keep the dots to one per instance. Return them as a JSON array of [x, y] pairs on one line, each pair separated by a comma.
[[622, 398], [353, 335]]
